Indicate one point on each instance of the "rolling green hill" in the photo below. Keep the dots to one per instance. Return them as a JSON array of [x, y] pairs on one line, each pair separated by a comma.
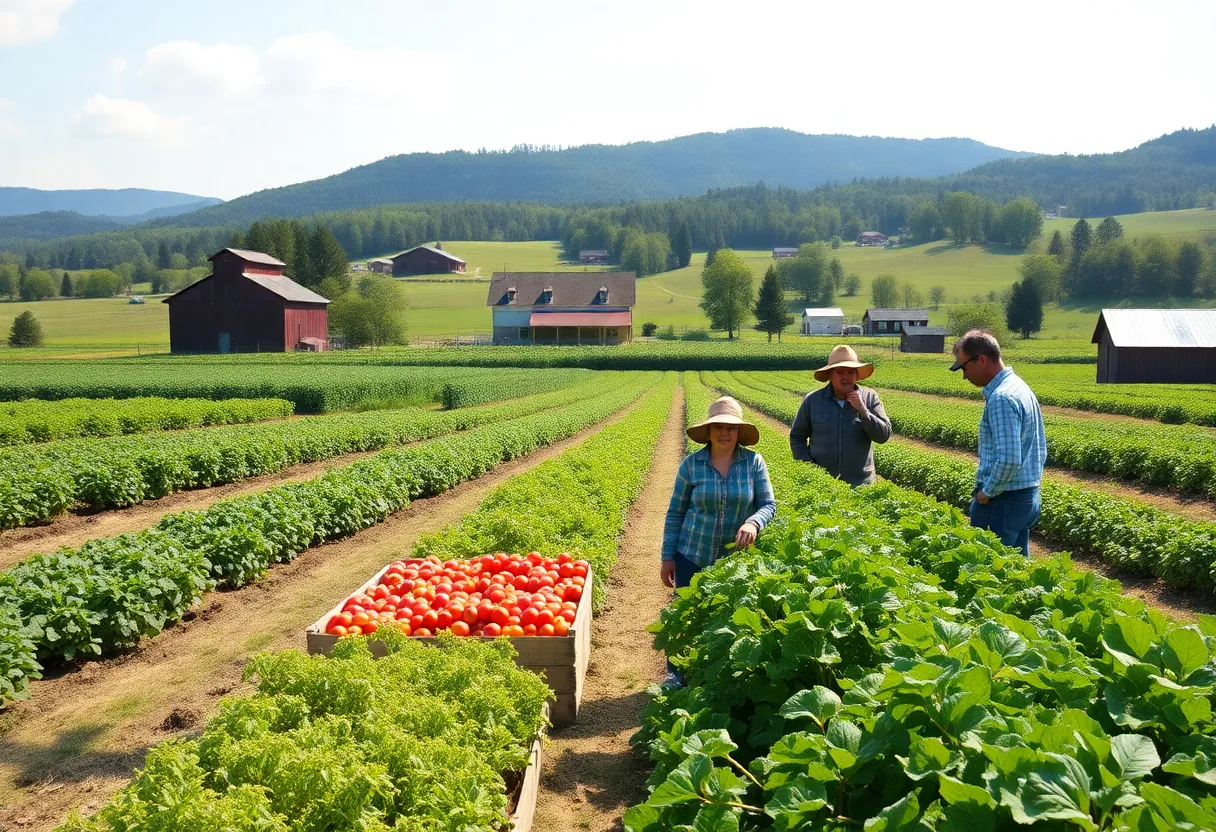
[[122, 202]]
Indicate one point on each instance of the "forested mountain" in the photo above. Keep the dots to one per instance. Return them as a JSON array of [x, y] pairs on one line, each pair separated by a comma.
[[122, 203], [598, 174], [48, 225]]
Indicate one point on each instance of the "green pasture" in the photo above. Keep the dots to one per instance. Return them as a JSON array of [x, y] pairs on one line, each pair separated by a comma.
[[1193, 222]]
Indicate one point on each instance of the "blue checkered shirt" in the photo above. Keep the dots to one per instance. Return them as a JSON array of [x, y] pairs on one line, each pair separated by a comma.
[[707, 509], [1013, 447]]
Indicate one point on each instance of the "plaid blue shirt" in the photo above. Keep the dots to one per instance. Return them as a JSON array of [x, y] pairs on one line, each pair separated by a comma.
[[1013, 447], [707, 509]]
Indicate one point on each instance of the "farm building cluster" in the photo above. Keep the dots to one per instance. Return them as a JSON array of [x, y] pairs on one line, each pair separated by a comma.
[[562, 307]]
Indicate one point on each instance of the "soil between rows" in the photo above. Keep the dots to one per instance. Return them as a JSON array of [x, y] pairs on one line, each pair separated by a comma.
[[78, 738], [590, 774]]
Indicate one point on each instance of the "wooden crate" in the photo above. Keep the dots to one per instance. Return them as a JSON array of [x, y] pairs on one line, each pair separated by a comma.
[[562, 660], [529, 789]]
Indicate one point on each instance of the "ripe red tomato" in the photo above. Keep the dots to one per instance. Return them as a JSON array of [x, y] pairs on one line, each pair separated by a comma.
[[444, 619], [492, 630], [422, 632], [460, 628], [500, 616]]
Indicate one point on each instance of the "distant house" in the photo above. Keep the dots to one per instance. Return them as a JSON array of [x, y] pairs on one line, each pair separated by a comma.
[[871, 238], [426, 260], [358, 267], [246, 304], [781, 253], [923, 339], [1156, 346], [593, 255], [822, 321], [892, 321], [562, 307], [382, 266]]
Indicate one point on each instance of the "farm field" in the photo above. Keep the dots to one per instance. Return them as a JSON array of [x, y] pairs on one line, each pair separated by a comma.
[[806, 659], [441, 310]]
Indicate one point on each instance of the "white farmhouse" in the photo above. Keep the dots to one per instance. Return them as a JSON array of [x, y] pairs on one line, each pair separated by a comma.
[[826, 320]]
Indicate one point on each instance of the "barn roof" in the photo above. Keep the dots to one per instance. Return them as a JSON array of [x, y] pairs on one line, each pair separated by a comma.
[[823, 312], [387, 260], [873, 234], [286, 288], [569, 288], [250, 256], [1158, 327], [438, 251], [785, 249], [593, 252], [897, 314], [926, 330]]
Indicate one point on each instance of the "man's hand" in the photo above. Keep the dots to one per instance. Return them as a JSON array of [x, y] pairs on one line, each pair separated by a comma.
[[982, 498], [746, 536], [854, 399], [668, 573]]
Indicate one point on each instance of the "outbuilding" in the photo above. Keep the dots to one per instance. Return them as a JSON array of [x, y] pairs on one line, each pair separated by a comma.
[[892, 321], [574, 308], [381, 265], [246, 304], [871, 238], [923, 339], [427, 260], [784, 253], [593, 255], [827, 320], [1156, 346]]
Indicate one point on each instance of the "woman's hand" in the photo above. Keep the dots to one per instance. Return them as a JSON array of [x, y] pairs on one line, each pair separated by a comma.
[[668, 573], [746, 536]]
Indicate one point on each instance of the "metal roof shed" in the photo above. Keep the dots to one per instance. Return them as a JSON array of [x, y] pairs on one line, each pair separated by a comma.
[[1156, 346]]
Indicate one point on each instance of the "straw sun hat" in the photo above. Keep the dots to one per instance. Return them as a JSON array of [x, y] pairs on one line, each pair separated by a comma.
[[725, 411], [844, 356]]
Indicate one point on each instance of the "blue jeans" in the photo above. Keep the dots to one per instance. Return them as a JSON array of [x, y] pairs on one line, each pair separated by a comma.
[[685, 569], [1010, 516]]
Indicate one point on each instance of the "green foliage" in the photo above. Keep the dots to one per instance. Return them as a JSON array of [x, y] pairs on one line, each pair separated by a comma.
[[373, 315], [9, 280], [728, 292], [33, 420], [65, 287], [1044, 271], [645, 253], [1020, 221], [1024, 309], [809, 274], [649, 328], [496, 387], [36, 284], [681, 245], [418, 740], [963, 214], [770, 311], [1056, 247], [1107, 230], [852, 284], [987, 316], [884, 291], [101, 283], [925, 222], [25, 331]]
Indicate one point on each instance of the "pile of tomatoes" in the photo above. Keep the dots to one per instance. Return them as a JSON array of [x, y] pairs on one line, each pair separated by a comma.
[[494, 595]]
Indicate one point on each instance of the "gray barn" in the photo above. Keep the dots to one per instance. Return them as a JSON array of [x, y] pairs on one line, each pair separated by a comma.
[[923, 339], [1156, 346]]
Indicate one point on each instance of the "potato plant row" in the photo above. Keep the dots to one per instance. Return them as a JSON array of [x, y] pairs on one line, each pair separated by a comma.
[[576, 502], [111, 592], [494, 386], [1119, 530], [42, 421], [875, 663], [311, 386], [1174, 456], [417, 740], [46, 480]]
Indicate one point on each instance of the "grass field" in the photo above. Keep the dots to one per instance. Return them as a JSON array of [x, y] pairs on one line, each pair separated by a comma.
[[457, 306]]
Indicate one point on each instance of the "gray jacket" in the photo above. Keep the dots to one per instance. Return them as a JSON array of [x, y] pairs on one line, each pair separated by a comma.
[[838, 438]]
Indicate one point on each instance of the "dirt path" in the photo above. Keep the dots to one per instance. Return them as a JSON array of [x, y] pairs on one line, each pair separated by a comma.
[[80, 735], [74, 529], [591, 775]]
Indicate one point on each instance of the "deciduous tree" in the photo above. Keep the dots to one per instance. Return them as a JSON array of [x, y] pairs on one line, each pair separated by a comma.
[[852, 284], [1043, 271], [1188, 268], [770, 311], [937, 295], [1021, 221], [809, 274], [37, 285], [727, 292], [8, 280], [884, 291]]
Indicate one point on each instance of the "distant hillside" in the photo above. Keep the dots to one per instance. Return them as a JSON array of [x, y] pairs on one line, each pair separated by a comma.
[[49, 225], [610, 173], [125, 203]]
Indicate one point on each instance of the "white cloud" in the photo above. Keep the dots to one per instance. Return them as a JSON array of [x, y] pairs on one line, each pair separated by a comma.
[[220, 68], [117, 67], [320, 64], [28, 21], [125, 119]]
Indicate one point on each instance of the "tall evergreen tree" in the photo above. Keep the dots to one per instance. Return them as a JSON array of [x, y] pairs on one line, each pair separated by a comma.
[[164, 257], [1056, 247], [1082, 238], [65, 288], [681, 244], [1107, 230], [1024, 311], [770, 312], [710, 255], [26, 331]]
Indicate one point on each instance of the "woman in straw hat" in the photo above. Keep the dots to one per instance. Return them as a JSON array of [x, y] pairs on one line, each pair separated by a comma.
[[836, 424], [722, 495]]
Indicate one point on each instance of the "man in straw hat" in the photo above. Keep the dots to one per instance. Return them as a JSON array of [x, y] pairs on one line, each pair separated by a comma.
[[1012, 448], [836, 424]]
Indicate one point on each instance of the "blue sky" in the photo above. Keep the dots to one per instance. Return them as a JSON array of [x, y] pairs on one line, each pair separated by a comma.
[[223, 98]]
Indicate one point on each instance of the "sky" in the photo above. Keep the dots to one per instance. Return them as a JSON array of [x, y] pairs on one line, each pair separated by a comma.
[[222, 98]]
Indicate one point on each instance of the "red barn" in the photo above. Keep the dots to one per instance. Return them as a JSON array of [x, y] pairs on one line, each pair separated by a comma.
[[246, 304]]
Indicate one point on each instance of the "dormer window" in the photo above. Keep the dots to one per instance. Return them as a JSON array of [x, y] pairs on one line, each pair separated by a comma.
[[547, 295], [603, 297], [510, 294]]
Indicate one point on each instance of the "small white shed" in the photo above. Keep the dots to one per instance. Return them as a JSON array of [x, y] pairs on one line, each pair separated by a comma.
[[827, 320]]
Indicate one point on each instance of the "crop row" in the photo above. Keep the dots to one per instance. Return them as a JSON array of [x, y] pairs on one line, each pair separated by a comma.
[[877, 663], [1119, 530], [110, 592], [576, 502], [495, 386], [46, 480], [1177, 456], [42, 421], [417, 740], [312, 387]]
